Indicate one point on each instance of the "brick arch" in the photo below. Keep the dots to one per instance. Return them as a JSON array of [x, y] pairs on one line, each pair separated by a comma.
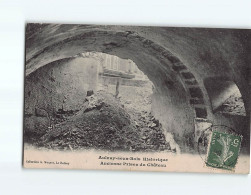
[[179, 97], [189, 80], [112, 41]]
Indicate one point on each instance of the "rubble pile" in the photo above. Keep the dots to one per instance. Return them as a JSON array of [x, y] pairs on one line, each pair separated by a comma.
[[103, 123], [151, 131], [234, 105]]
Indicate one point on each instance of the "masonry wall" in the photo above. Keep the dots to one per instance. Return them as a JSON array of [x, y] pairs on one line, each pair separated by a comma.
[[61, 84]]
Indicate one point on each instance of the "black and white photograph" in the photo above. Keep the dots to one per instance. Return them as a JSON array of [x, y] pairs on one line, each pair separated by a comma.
[[125, 97], [137, 90]]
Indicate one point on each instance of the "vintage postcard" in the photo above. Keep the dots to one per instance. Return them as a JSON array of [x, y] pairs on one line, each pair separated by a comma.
[[137, 98]]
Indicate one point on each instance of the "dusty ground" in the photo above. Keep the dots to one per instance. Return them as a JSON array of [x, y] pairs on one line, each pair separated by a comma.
[[105, 123]]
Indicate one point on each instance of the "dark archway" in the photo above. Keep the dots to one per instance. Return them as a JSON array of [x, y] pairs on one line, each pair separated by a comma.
[[122, 45], [178, 98]]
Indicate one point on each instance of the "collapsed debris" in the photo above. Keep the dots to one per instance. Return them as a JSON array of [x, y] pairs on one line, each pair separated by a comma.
[[234, 105], [104, 124]]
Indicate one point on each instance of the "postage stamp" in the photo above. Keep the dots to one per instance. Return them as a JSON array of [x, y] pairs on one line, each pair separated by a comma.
[[223, 150]]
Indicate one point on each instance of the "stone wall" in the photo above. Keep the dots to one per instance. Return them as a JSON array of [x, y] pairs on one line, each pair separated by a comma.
[[166, 107], [60, 84]]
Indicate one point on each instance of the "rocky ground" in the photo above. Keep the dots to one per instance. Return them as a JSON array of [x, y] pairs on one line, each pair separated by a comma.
[[105, 123]]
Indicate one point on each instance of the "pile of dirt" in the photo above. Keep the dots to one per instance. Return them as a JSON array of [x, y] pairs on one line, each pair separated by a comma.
[[103, 123]]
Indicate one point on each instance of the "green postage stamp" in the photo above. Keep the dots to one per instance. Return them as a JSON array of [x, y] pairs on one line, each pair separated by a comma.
[[223, 150]]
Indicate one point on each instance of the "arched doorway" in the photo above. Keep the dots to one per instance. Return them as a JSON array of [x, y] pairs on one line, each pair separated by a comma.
[[178, 98]]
